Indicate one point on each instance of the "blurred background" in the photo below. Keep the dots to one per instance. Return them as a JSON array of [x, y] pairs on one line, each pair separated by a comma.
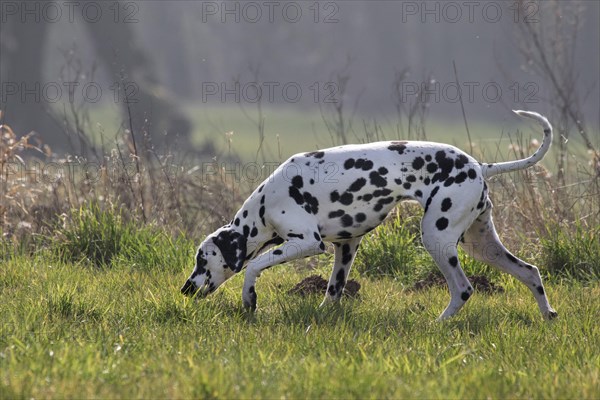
[[273, 78]]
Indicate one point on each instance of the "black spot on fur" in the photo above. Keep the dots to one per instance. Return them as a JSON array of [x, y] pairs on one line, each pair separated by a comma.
[[445, 163], [312, 204], [237, 222], [297, 181], [381, 192], [512, 258], [377, 180], [245, 214], [357, 185], [277, 252], [460, 178], [254, 232], [367, 197], [315, 154], [336, 214], [346, 199], [381, 202], [398, 146], [276, 240], [246, 230], [465, 296], [406, 185], [331, 290], [360, 217], [418, 163], [346, 254], [347, 220], [430, 198], [540, 289], [453, 261], [233, 248], [442, 223], [411, 178], [200, 263], [334, 196], [363, 164], [472, 174], [368, 164], [344, 235], [446, 204], [449, 181], [432, 167], [296, 195], [418, 193], [382, 170], [340, 281], [349, 163], [296, 235], [461, 161]]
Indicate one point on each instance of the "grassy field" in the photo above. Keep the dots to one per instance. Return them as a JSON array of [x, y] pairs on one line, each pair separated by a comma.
[[71, 331], [90, 271]]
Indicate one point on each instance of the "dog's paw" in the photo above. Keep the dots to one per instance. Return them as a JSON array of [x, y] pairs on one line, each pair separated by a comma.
[[249, 299], [550, 315]]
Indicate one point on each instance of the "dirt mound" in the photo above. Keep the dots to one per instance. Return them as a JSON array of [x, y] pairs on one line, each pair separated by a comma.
[[316, 284], [480, 283]]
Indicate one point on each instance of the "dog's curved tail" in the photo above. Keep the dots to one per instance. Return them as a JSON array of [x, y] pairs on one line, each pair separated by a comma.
[[491, 169]]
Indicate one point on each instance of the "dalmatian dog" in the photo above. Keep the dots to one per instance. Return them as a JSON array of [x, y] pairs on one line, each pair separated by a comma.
[[339, 194]]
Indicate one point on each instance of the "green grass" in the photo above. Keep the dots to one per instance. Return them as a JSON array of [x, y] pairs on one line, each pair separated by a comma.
[[574, 251], [73, 331], [96, 312], [103, 237]]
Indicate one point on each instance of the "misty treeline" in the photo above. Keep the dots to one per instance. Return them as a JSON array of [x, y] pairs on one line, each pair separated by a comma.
[[300, 55]]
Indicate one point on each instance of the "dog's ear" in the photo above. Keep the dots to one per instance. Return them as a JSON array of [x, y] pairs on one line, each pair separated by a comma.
[[233, 248]]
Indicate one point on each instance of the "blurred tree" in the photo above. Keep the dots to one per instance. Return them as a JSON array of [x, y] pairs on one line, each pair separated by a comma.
[[22, 49]]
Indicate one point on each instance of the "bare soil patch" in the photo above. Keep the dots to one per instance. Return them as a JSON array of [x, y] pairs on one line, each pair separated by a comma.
[[316, 284]]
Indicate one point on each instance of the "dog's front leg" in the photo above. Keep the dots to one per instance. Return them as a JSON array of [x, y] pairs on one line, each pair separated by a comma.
[[344, 256], [290, 250]]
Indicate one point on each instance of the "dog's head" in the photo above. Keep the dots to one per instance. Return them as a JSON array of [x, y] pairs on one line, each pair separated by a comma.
[[219, 257]]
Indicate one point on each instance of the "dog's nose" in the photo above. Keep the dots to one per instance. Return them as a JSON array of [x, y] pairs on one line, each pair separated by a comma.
[[188, 288]]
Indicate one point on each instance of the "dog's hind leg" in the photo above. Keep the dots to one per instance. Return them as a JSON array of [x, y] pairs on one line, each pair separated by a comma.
[[440, 235], [482, 242], [344, 257]]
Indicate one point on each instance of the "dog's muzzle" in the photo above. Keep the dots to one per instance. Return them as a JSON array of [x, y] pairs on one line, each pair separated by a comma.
[[189, 288]]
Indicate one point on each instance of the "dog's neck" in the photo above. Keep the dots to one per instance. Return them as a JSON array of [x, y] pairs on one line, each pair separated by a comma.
[[252, 225]]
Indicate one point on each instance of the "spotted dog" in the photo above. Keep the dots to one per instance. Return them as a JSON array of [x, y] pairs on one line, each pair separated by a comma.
[[339, 194]]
